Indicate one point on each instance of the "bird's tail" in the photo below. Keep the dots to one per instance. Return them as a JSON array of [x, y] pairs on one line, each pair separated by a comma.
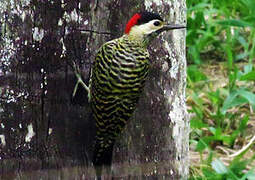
[[102, 156]]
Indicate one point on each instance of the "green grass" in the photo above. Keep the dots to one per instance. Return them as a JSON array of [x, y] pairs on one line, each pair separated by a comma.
[[221, 33]]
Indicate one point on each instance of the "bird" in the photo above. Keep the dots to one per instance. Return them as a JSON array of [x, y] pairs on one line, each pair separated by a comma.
[[117, 80]]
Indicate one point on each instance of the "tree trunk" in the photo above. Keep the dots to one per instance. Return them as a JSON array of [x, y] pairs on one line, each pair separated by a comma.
[[43, 133], [155, 143]]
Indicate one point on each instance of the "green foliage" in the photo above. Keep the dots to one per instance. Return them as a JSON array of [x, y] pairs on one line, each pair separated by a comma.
[[194, 75], [214, 27], [221, 31]]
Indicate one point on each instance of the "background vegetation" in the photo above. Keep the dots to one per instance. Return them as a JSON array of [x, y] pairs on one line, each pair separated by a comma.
[[220, 94]]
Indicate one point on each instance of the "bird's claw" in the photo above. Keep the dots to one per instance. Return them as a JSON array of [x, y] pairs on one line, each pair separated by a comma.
[[77, 73]]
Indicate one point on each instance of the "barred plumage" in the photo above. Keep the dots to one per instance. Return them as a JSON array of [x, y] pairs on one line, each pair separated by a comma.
[[118, 78]]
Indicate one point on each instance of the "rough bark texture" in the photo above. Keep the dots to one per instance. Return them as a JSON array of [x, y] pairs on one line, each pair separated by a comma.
[[45, 134]]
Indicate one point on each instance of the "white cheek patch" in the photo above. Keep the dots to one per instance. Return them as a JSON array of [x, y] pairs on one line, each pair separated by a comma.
[[146, 28], [150, 27]]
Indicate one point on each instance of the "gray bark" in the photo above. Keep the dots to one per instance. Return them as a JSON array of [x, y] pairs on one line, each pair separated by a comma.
[[41, 129]]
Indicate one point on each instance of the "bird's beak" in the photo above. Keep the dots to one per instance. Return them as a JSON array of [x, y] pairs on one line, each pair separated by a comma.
[[167, 27]]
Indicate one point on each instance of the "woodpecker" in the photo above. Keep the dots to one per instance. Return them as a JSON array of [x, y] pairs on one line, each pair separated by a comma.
[[117, 80]]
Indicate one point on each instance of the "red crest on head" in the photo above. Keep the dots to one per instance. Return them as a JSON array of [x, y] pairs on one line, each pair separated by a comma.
[[132, 22]]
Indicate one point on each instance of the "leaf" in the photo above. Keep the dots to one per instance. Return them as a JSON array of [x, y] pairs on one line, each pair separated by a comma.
[[219, 167], [201, 145], [215, 97], [228, 139], [243, 41], [248, 68], [250, 4], [195, 74], [197, 123], [232, 100], [212, 130], [243, 123], [198, 101], [248, 95], [248, 77], [199, 6], [241, 56], [238, 166], [198, 111], [195, 54], [234, 22], [218, 133], [238, 97], [251, 176], [250, 18], [211, 175]]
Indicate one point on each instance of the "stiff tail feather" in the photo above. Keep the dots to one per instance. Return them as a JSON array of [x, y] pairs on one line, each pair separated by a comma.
[[102, 156]]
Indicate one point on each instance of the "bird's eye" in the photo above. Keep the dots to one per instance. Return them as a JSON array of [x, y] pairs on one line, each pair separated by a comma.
[[156, 23]]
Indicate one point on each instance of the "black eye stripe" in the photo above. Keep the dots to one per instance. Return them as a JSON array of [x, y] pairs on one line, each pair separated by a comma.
[[156, 23]]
